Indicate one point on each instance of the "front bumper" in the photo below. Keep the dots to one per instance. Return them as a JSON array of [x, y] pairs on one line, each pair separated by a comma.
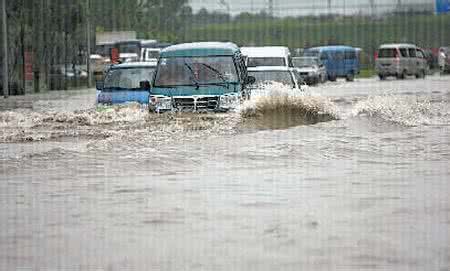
[[200, 103]]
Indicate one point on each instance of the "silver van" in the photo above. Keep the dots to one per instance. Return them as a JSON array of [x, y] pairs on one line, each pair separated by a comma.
[[400, 60]]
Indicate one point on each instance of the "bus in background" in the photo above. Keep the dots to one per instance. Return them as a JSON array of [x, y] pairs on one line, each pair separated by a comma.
[[340, 61]]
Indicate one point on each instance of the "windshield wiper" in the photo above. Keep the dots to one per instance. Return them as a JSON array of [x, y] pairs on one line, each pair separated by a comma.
[[197, 85], [225, 83]]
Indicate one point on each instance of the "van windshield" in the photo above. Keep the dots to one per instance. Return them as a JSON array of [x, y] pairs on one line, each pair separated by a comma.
[[191, 71], [263, 77], [266, 61], [128, 78], [387, 53]]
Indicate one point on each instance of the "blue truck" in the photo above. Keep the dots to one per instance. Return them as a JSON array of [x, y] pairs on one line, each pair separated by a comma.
[[340, 61]]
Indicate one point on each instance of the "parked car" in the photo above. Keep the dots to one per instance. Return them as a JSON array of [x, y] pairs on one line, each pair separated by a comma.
[[339, 61], [310, 69], [400, 60], [444, 59], [284, 75], [124, 83], [267, 56], [203, 76]]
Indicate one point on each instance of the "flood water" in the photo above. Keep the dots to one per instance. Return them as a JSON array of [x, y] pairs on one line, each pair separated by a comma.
[[352, 176]]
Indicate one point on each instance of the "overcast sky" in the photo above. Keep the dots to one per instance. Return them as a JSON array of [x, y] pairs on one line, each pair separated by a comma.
[[303, 7]]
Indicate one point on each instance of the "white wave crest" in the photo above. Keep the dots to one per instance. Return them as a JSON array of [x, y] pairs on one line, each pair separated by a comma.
[[401, 109]]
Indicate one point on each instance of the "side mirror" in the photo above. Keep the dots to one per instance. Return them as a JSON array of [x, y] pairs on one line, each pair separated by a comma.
[[99, 85], [250, 80], [145, 85]]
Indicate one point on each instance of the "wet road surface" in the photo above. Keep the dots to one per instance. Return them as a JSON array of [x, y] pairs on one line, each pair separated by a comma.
[[354, 176]]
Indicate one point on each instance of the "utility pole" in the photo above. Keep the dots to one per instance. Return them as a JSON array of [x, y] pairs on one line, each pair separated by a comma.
[[372, 8], [399, 5], [329, 7], [226, 5], [88, 43], [5, 51], [271, 8]]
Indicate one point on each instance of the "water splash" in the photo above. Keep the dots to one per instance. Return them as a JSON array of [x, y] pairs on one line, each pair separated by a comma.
[[275, 100], [403, 110]]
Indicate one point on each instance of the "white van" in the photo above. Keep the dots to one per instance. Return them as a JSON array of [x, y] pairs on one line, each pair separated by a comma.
[[150, 55], [400, 60], [279, 74], [267, 56]]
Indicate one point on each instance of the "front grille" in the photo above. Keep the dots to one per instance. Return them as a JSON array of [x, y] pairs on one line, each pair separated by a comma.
[[184, 102], [196, 103], [207, 103]]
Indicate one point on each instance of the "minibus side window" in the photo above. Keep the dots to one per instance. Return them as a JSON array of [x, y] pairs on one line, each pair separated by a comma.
[[412, 52], [404, 52]]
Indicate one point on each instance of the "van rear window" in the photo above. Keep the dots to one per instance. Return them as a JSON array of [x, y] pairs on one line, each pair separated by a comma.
[[387, 53], [266, 61]]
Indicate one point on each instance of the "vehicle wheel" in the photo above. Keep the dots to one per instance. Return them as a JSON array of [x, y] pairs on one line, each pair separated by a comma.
[[382, 77], [350, 77], [332, 78], [401, 75]]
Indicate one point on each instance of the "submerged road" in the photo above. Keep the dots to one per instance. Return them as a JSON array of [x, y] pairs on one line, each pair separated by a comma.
[[119, 189]]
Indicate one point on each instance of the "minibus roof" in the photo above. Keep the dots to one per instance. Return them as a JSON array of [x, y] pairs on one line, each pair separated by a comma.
[[199, 49]]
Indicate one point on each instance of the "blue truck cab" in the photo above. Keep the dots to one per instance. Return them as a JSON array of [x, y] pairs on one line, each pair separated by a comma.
[[203, 76], [125, 83], [340, 61]]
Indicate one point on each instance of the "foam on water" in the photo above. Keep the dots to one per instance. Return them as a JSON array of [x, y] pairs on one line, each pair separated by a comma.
[[273, 106], [131, 123], [403, 110]]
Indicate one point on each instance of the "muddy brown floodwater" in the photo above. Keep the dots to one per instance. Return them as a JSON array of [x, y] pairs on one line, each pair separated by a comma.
[[351, 176]]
